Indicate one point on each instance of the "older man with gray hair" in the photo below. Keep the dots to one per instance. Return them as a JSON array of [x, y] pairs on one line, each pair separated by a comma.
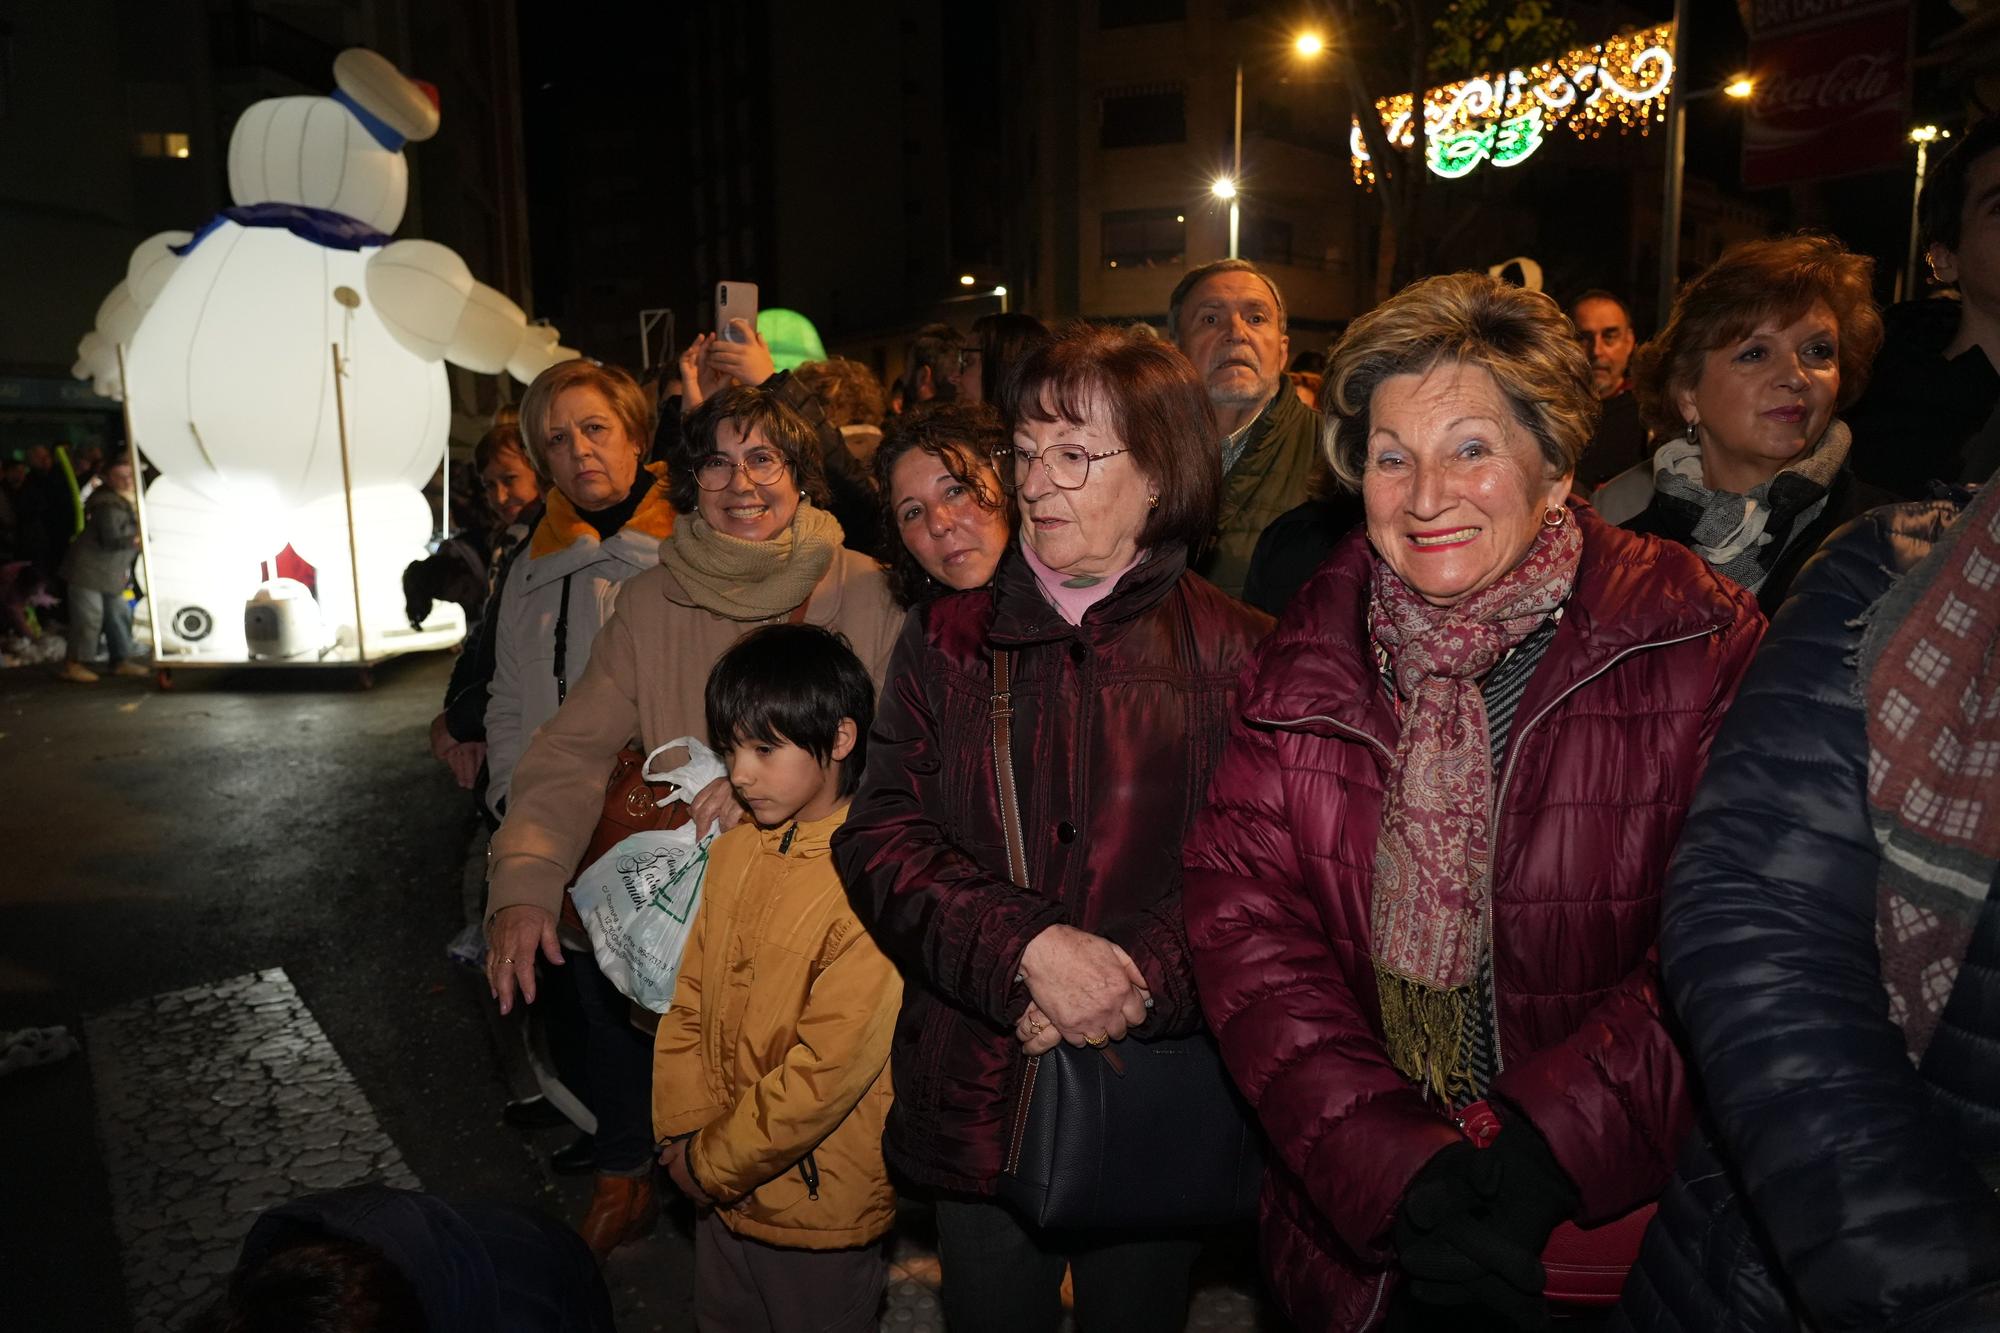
[[1229, 319]]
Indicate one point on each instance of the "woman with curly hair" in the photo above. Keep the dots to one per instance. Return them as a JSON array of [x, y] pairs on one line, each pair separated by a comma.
[[942, 499]]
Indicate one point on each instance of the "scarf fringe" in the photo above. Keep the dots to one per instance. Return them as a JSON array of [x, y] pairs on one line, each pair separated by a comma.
[[1424, 1028]]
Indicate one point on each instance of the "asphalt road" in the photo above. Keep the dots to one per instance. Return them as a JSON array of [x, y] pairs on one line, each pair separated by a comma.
[[151, 841]]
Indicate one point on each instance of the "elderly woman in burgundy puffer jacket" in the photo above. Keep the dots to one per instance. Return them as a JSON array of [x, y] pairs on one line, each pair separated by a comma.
[[1124, 678], [1424, 896]]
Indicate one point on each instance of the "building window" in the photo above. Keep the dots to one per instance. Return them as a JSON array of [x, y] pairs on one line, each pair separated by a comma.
[[1144, 238], [1140, 119], [1132, 13], [153, 143], [1267, 241]]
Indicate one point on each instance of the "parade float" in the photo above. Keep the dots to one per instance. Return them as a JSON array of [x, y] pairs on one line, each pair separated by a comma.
[[282, 369]]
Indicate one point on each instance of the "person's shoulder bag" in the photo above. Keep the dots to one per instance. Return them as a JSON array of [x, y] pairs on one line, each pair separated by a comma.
[[1133, 1134]]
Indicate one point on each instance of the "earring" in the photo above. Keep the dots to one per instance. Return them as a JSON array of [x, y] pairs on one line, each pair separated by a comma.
[[1694, 432], [1554, 516], [1152, 502]]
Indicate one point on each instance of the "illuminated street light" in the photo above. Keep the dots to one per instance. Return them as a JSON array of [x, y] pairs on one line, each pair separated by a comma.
[[1739, 87], [967, 280], [1224, 188], [1923, 136], [1308, 45]]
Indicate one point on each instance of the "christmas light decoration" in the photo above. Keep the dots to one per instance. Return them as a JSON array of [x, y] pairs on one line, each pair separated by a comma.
[[1620, 84]]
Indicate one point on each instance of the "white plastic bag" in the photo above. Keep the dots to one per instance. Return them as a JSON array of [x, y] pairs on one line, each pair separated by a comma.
[[638, 900]]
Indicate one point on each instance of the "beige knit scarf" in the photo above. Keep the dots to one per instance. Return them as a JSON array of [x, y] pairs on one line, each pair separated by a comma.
[[743, 580]]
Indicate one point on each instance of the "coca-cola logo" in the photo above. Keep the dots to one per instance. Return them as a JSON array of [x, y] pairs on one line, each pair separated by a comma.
[[1849, 83]]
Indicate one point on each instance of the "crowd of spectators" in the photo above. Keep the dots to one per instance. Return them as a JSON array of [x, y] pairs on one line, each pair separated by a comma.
[[1553, 767]]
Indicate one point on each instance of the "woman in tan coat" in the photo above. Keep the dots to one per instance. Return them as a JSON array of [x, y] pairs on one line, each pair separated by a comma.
[[753, 545]]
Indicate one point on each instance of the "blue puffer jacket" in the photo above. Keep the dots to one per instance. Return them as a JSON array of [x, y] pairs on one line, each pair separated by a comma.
[[1833, 1185]]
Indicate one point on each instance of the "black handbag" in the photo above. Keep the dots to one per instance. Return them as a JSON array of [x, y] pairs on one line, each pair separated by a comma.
[[1146, 1134]]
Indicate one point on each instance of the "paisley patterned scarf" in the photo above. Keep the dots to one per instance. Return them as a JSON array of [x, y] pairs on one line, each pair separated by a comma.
[[1430, 912]]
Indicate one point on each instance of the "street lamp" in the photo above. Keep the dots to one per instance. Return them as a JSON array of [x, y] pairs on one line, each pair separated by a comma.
[[1737, 89], [1307, 46], [1923, 136], [967, 280]]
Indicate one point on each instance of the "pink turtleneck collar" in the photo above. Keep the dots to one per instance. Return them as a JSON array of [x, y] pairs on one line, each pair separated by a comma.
[[1072, 603]]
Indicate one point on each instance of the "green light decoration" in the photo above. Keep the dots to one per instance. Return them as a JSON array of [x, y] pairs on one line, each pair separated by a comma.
[[1621, 83], [1505, 143]]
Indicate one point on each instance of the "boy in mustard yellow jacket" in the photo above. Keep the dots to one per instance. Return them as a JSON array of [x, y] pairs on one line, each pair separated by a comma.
[[770, 1070]]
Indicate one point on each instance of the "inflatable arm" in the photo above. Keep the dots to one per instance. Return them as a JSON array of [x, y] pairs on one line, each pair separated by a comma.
[[430, 302]]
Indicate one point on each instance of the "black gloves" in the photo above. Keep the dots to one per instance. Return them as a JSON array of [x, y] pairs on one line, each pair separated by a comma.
[[1475, 1220]]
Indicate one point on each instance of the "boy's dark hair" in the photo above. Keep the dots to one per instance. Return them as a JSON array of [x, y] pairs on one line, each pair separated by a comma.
[[792, 683], [1941, 207], [322, 1285]]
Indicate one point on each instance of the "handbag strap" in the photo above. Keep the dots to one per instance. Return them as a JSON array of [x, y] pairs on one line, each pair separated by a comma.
[[562, 645], [1003, 764]]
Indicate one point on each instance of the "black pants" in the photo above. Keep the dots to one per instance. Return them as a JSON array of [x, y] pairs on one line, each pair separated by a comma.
[[1001, 1276], [619, 1061]]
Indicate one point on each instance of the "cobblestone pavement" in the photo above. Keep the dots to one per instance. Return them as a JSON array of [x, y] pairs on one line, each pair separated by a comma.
[[213, 1103]]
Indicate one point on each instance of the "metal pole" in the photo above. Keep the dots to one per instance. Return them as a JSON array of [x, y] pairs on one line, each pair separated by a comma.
[[1236, 165], [1676, 167], [1910, 288], [139, 491], [347, 490]]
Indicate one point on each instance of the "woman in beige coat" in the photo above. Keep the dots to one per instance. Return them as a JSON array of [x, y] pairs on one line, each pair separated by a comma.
[[753, 545]]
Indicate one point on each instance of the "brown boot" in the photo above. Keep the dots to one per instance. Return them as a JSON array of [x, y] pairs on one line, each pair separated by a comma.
[[622, 1208]]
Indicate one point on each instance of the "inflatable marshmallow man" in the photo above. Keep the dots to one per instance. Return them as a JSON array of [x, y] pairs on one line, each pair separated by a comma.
[[226, 331]]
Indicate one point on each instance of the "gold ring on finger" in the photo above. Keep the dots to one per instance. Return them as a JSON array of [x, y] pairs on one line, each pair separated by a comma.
[[1099, 1040]]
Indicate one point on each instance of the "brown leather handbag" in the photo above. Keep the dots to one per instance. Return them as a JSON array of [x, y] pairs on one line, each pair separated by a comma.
[[631, 805]]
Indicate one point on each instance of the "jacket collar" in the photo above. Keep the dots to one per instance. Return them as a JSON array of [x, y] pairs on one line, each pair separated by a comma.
[[1023, 616], [562, 527], [1318, 672], [793, 838], [1282, 413]]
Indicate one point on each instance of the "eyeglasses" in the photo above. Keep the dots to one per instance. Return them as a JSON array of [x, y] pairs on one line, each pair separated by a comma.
[[762, 466], [1068, 465]]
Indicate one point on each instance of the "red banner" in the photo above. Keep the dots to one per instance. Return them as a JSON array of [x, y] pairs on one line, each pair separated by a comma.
[[1832, 90]]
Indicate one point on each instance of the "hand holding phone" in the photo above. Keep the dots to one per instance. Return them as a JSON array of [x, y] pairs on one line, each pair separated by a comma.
[[745, 359]]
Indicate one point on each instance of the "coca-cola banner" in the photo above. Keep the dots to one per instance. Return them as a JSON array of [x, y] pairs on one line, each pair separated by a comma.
[[1832, 89]]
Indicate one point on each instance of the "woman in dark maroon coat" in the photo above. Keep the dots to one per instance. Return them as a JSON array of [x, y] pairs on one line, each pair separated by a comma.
[[1124, 679], [1424, 895]]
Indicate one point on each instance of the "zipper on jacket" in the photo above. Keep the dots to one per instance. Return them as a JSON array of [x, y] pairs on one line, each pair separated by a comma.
[[1507, 776], [809, 1172], [1335, 723], [785, 843]]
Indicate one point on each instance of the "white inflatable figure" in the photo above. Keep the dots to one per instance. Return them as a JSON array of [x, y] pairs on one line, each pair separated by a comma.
[[229, 377]]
